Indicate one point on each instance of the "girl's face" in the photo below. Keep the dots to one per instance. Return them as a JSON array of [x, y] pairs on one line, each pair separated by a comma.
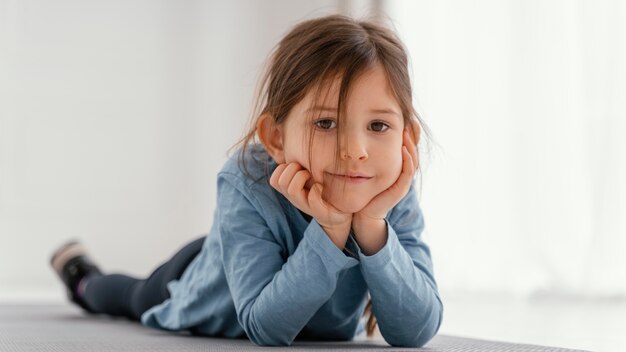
[[370, 144]]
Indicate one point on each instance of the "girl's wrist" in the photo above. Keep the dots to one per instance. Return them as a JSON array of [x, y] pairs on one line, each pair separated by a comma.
[[361, 220], [338, 234], [370, 234]]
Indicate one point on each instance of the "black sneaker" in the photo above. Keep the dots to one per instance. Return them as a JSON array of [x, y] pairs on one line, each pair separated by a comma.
[[71, 264]]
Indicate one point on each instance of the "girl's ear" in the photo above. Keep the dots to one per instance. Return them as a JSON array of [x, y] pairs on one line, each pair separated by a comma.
[[417, 131], [271, 135]]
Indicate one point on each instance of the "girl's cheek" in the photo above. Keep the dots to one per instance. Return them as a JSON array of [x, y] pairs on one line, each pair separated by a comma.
[[393, 170], [300, 159], [397, 165]]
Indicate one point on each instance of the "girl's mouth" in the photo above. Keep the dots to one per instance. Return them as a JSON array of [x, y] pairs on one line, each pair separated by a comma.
[[351, 179]]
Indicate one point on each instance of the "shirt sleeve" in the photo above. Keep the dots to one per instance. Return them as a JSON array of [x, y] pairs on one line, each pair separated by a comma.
[[405, 299], [274, 296]]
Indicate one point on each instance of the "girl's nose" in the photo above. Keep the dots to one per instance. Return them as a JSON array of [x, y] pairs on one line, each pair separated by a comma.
[[353, 149]]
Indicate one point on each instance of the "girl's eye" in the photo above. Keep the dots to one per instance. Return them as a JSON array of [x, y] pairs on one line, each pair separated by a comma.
[[379, 126], [325, 124]]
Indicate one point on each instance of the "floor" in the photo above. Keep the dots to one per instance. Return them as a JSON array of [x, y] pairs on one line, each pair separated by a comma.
[[593, 325], [589, 324], [61, 327]]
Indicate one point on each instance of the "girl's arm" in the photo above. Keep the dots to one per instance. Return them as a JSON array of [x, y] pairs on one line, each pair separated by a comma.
[[274, 296], [400, 279]]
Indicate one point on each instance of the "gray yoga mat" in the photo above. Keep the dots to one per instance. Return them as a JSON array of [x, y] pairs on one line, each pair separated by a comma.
[[64, 328]]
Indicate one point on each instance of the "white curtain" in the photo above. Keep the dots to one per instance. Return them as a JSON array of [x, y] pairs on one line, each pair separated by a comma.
[[524, 190]]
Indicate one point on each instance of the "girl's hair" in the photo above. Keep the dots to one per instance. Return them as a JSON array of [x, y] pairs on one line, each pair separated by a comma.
[[314, 54]]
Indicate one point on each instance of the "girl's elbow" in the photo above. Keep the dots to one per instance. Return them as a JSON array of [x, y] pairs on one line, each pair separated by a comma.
[[416, 341], [429, 329], [260, 334], [424, 337]]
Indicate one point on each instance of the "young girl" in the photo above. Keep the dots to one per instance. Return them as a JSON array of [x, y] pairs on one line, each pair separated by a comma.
[[310, 221]]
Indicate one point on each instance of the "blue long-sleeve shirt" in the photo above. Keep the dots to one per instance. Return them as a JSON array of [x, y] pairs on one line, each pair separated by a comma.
[[268, 273]]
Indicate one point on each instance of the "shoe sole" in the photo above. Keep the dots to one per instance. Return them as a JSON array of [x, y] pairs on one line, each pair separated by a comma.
[[64, 254]]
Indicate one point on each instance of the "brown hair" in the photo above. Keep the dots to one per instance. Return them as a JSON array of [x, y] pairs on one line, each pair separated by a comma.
[[318, 51]]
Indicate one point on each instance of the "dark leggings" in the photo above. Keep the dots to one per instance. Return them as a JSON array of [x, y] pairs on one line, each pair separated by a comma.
[[121, 295]]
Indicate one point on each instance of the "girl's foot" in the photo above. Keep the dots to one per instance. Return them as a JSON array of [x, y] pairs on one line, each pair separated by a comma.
[[72, 264]]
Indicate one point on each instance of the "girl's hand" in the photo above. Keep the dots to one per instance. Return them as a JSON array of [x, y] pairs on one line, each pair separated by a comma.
[[369, 223], [290, 180]]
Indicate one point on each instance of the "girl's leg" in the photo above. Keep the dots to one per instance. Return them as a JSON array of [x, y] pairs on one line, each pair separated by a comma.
[[122, 295]]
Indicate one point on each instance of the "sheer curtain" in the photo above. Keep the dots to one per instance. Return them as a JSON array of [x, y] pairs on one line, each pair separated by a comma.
[[524, 189]]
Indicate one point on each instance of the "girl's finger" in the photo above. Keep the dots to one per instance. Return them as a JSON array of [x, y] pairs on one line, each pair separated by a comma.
[[408, 170], [403, 183], [408, 141], [276, 176], [392, 195], [315, 201], [296, 188], [287, 176]]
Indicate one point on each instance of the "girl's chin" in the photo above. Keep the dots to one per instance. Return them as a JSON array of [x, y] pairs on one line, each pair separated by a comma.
[[349, 207]]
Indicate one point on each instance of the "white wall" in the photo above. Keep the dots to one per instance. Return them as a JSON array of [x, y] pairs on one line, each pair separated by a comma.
[[525, 191], [114, 118]]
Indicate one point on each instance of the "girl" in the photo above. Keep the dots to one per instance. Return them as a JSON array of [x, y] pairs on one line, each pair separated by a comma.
[[310, 221]]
